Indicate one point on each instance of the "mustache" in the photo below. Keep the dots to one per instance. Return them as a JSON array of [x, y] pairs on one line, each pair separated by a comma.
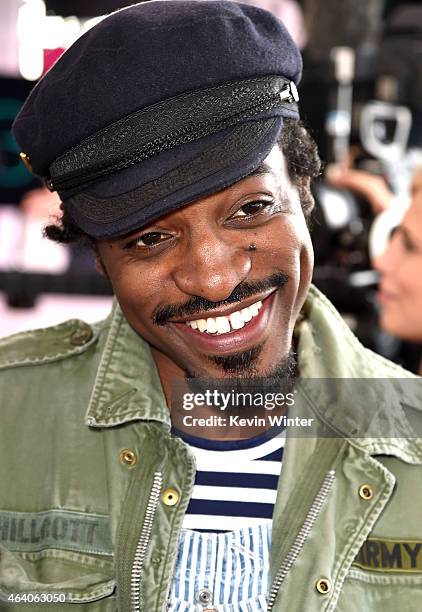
[[197, 304]]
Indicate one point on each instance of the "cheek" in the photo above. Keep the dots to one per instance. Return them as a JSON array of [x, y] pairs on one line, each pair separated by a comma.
[[407, 278], [136, 290], [301, 256], [288, 249], [411, 291], [402, 317], [306, 268]]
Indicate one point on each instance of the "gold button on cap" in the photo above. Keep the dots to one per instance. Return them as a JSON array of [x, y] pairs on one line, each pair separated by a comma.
[[366, 492], [323, 586], [81, 336], [128, 457], [170, 497], [25, 158]]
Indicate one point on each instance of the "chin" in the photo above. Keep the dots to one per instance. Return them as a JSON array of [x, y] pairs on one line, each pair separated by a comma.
[[394, 327]]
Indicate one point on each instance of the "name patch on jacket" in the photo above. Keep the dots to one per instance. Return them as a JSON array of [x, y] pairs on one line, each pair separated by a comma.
[[390, 555], [64, 529]]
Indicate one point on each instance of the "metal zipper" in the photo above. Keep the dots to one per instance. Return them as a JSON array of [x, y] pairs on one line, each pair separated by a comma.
[[301, 537], [141, 548]]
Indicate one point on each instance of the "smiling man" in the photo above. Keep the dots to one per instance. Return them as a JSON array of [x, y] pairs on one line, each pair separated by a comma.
[[171, 133], [211, 287]]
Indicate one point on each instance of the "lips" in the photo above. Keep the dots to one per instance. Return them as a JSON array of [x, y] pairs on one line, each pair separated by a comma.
[[385, 296], [248, 333]]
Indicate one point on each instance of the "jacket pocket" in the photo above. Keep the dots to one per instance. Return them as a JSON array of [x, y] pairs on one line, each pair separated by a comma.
[[380, 592], [84, 580]]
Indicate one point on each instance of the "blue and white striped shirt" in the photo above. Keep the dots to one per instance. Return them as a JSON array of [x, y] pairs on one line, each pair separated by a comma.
[[230, 568], [236, 482], [226, 536]]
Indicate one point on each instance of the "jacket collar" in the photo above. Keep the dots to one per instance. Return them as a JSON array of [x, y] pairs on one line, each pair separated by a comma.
[[350, 380], [353, 392], [127, 386]]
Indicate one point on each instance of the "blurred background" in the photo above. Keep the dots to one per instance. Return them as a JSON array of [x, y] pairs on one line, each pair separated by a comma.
[[361, 97]]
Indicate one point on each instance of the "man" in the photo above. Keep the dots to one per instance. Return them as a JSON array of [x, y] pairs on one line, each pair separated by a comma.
[[170, 133]]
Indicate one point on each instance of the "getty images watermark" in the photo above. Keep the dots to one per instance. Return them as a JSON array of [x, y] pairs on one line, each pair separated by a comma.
[[351, 408], [231, 409], [228, 401]]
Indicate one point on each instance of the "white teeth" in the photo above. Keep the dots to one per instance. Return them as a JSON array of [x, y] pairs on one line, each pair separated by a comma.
[[236, 319], [246, 314], [211, 325], [202, 324], [224, 325]]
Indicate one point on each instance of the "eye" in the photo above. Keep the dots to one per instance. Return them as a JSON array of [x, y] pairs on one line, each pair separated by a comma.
[[404, 239], [148, 240], [408, 244], [251, 208]]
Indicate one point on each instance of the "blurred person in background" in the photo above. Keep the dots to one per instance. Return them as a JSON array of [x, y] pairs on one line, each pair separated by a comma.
[[399, 261], [400, 267], [371, 187]]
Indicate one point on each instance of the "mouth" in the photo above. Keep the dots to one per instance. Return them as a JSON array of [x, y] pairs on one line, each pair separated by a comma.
[[234, 331], [385, 297]]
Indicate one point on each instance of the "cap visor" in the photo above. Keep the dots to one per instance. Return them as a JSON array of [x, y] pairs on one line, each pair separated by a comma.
[[134, 197]]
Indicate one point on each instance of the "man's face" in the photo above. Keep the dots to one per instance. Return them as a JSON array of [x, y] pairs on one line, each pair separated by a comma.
[[215, 287]]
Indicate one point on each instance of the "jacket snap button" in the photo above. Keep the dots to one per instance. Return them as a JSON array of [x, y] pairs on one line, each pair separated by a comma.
[[170, 497], [81, 336], [366, 492], [323, 586], [128, 457]]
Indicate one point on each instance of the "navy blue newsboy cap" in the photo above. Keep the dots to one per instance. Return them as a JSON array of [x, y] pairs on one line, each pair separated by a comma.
[[159, 104]]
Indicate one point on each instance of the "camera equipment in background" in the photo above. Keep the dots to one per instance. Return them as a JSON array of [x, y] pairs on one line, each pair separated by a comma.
[[362, 87]]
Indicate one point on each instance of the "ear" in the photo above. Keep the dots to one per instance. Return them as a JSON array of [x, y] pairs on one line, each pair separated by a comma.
[[99, 264]]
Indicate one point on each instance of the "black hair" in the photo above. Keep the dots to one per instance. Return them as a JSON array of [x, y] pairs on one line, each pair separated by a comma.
[[303, 164]]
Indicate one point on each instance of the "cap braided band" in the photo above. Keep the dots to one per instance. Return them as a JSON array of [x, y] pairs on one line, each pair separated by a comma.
[[168, 124]]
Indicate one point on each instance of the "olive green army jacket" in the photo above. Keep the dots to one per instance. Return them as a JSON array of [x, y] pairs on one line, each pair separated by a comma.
[[93, 486]]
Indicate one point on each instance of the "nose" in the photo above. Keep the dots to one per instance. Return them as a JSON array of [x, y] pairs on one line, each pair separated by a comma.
[[388, 260], [212, 267]]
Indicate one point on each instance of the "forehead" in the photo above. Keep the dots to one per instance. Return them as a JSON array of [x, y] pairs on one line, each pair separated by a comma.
[[417, 183], [413, 218], [274, 163]]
